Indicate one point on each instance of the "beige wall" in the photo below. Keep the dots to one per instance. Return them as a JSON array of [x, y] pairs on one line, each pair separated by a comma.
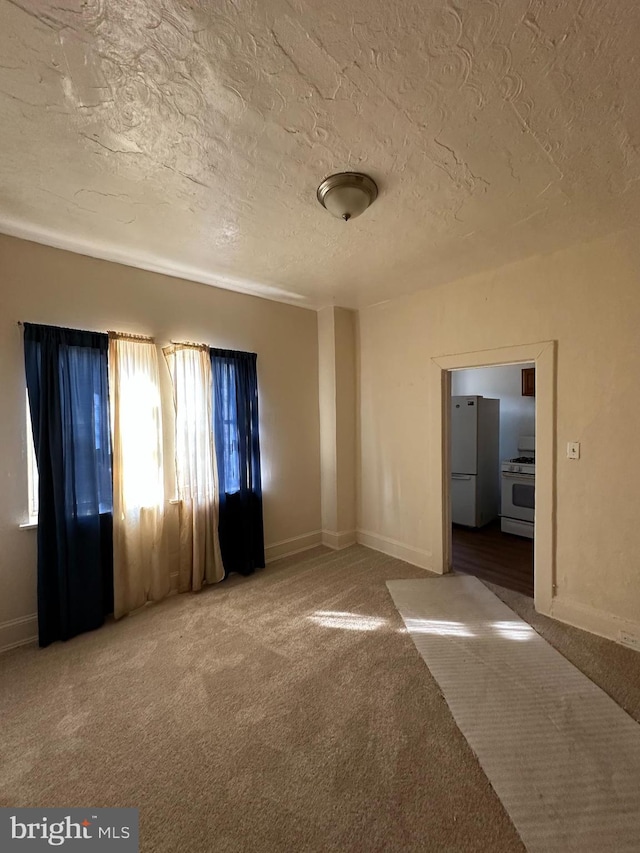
[[44, 285], [345, 342], [586, 298], [337, 383], [327, 402]]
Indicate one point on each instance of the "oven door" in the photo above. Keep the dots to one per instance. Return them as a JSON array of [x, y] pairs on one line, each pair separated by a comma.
[[518, 496]]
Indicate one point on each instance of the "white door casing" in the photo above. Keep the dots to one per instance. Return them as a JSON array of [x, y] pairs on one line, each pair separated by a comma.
[[544, 355]]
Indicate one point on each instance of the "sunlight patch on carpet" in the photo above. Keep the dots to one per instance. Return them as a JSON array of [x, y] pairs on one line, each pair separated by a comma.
[[347, 621]]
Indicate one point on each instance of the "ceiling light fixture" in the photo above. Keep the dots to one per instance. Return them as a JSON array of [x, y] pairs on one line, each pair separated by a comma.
[[347, 194]]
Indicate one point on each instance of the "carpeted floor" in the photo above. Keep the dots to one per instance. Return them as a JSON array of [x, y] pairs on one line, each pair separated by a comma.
[[286, 711]]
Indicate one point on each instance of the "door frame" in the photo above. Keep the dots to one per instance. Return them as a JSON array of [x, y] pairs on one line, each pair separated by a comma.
[[543, 354]]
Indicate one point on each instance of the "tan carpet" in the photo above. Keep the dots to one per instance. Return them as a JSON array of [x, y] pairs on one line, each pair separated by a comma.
[[257, 716]]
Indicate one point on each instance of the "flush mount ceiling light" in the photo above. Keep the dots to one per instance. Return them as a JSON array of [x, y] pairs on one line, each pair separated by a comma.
[[347, 194]]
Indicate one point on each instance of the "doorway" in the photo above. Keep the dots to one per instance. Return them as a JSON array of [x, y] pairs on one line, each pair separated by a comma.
[[492, 487], [543, 356]]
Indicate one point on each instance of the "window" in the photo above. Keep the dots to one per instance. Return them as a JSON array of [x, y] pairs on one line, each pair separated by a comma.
[[230, 431], [92, 430], [139, 426], [76, 450], [32, 468]]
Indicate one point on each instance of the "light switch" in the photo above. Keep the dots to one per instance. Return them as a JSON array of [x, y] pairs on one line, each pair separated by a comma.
[[573, 450]]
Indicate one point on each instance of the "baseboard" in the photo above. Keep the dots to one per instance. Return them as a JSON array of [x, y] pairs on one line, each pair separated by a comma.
[[295, 545], [338, 539], [18, 632], [415, 556], [595, 621]]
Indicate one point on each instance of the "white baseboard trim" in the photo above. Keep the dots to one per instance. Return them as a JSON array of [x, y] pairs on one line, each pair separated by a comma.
[[595, 621], [18, 632], [295, 545], [338, 539], [415, 556]]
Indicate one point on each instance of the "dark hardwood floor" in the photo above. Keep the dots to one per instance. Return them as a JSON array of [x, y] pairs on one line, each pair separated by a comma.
[[492, 555]]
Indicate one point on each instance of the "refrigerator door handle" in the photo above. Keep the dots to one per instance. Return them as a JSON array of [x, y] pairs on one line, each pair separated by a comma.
[[461, 476]]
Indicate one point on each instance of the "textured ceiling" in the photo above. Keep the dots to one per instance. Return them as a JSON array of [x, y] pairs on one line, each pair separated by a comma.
[[190, 136]]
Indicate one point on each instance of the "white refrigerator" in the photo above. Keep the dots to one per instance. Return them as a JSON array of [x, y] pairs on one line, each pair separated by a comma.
[[475, 464]]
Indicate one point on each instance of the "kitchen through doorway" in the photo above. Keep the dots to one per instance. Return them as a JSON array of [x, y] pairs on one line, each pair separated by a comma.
[[492, 445]]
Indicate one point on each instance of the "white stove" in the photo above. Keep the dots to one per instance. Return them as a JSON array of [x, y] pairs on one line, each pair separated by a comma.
[[519, 490], [520, 465]]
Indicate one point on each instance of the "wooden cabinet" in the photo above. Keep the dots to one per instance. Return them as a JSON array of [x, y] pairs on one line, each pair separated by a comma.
[[528, 382]]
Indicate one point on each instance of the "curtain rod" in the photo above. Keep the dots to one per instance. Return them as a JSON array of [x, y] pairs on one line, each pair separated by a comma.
[[117, 334], [189, 344], [129, 336]]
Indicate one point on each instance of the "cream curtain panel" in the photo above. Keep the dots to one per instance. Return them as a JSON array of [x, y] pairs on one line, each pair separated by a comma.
[[196, 473], [140, 566]]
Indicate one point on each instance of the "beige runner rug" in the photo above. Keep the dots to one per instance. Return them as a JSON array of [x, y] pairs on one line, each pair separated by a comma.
[[561, 755]]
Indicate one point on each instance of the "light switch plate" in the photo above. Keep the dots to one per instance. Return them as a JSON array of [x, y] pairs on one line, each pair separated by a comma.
[[573, 450]]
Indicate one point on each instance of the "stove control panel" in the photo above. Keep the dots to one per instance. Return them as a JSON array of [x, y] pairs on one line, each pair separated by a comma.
[[523, 470]]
